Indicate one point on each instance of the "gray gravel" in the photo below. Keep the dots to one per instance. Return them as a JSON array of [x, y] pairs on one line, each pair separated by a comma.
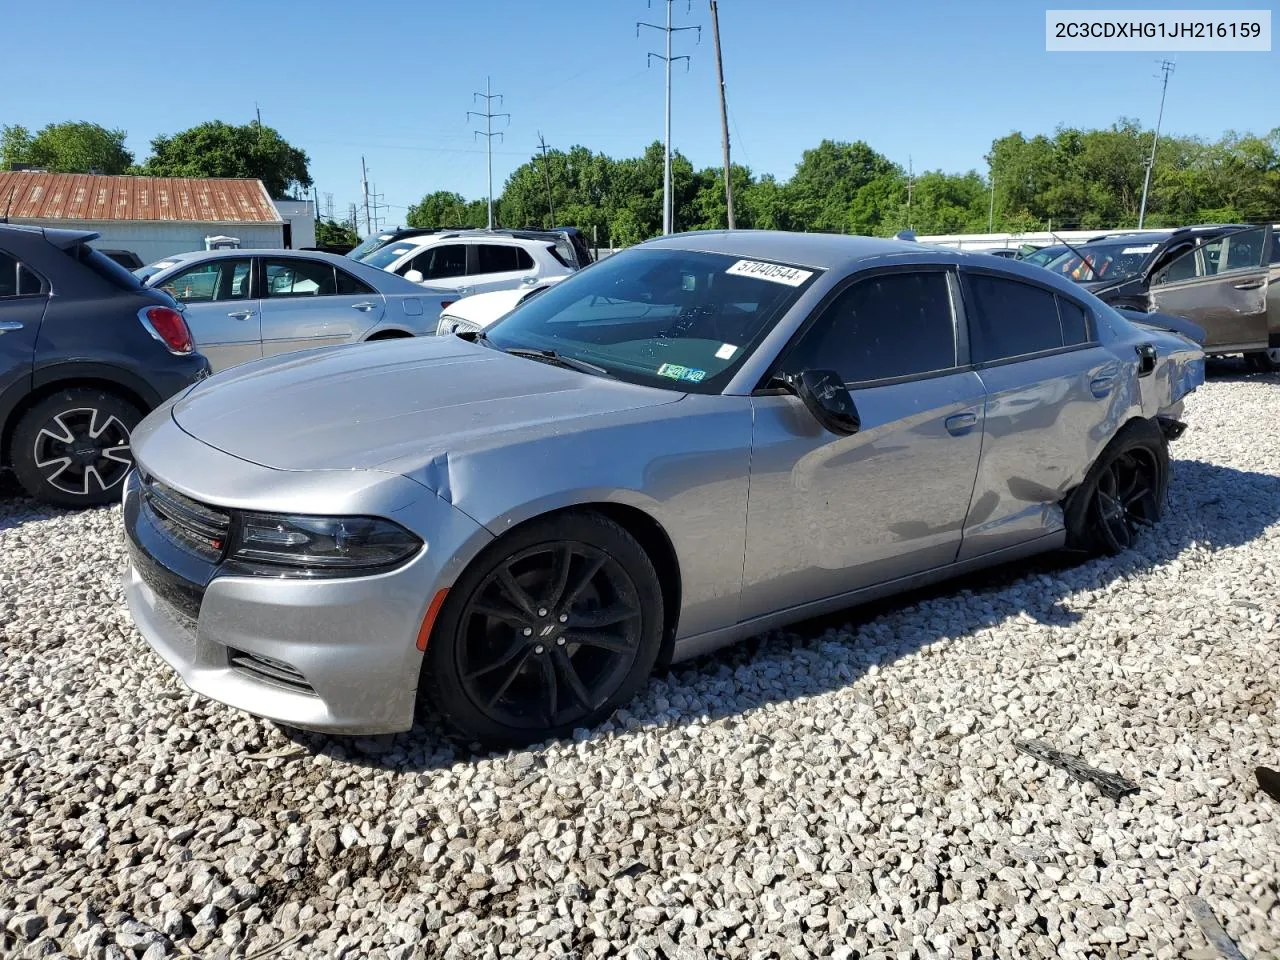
[[843, 790]]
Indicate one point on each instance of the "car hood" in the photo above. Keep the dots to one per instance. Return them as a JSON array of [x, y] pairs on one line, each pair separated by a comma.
[[392, 404]]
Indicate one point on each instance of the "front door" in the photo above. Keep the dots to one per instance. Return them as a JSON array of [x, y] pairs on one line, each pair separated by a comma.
[[308, 303], [831, 514], [23, 297], [1222, 286], [224, 316]]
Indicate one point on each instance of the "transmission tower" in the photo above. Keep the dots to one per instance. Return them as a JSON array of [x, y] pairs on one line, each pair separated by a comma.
[[488, 132], [668, 30]]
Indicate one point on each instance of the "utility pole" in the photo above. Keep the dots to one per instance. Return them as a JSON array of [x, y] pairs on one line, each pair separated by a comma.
[[364, 185], [1166, 67], [488, 133], [668, 59], [911, 182], [991, 210], [546, 168], [724, 116]]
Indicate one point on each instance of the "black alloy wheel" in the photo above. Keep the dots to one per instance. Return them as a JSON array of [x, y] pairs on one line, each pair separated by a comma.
[[72, 449], [1126, 498], [546, 632]]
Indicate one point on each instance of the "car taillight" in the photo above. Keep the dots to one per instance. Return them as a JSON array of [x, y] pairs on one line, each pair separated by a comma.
[[169, 327], [446, 304]]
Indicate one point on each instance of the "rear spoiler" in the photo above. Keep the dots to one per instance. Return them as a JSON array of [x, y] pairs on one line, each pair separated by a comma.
[[1163, 321]]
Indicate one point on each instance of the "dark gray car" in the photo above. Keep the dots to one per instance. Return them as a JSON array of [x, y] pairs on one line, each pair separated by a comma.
[[85, 352]]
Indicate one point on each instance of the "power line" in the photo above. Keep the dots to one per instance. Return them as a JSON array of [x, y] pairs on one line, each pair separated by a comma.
[[668, 30], [488, 132], [1166, 67]]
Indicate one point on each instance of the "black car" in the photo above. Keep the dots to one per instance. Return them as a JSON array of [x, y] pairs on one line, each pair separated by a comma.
[[1214, 275], [85, 352], [126, 258]]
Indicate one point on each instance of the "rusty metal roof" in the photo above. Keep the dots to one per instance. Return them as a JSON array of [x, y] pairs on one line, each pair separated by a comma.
[[30, 195]]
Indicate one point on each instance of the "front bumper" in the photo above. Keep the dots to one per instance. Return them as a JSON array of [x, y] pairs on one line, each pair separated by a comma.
[[337, 655]]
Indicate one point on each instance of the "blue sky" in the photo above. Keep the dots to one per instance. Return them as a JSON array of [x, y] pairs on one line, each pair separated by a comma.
[[935, 80]]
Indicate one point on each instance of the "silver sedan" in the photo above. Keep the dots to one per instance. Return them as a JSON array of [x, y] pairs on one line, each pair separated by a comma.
[[698, 439], [246, 304]]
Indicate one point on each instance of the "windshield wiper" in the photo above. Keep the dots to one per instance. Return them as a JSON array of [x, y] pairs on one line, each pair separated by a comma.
[[550, 356]]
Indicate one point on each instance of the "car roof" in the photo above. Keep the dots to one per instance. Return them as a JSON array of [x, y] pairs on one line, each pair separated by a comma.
[[823, 251]]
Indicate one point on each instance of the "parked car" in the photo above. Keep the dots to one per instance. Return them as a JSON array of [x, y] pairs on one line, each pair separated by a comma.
[[85, 352], [1044, 255], [126, 258], [471, 262], [481, 309], [246, 304], [1215, 276], [570, 246], [519, 523], [1007, 253]]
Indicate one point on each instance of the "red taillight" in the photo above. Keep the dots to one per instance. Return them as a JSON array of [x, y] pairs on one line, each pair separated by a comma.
[[446, 304], [168, 326]]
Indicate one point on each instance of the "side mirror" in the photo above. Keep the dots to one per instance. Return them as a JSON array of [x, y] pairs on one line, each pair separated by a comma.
[[414, 276], [827, 398]]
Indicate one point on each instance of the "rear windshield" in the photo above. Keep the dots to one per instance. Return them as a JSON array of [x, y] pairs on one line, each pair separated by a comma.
[[385, 256], [370, 245], [104, 267], [150, 270]]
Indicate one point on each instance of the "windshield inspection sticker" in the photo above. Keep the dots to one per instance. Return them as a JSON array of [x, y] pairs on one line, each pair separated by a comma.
[[726, 351], [1147, 249], [773, 272], [677, 372]]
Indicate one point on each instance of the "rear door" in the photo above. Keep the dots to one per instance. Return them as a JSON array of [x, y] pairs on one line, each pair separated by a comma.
[[221, 309], [308, 303], [1054, 398], [23, 297], [1222, 286], [499, 266], [832, 514]]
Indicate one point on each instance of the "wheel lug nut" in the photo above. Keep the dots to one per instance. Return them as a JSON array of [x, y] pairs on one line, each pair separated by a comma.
[[528, 631], [564, 618], [560, 642], [542, 611], [539, 649]]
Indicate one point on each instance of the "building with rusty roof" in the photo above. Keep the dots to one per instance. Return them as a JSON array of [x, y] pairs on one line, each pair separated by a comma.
[[154, 217]]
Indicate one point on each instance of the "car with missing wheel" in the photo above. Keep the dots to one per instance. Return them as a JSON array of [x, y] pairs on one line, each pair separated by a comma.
[[700, 438], [85, 352]]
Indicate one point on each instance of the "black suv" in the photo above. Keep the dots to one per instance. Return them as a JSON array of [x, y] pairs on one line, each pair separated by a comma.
[[85, 352]]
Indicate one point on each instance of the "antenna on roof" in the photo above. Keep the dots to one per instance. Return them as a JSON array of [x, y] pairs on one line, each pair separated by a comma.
[[8, 204]]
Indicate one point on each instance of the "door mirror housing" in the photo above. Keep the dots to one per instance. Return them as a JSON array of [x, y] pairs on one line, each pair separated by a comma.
[[414, 276], [825, 396]]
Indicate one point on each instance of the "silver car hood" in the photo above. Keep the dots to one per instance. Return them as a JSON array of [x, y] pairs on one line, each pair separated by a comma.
[[410, 400]]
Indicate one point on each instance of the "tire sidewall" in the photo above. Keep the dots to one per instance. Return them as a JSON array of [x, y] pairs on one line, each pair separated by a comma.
[[441, 683], [33, 421], [1078, 513]]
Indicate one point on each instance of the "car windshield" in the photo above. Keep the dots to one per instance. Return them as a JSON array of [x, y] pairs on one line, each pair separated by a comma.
[[150, 270], [665, 318], [1044, 255], [368, 246], [383, 257], [1117, 259]]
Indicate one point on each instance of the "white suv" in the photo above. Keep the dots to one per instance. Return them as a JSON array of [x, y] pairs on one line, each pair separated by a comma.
[[471, 262]]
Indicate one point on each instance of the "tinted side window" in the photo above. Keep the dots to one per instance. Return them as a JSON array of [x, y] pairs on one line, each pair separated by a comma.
[[28, 282], [350, 286], [1009, 319], [1074, 322], [8, 276], [495, 258], [894, 325], [449, 260], [298, 278], [1244, 250]]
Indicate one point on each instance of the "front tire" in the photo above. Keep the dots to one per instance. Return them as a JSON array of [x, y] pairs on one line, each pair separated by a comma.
[[1123, 492], [549, 630], [72, 449], [1267, 361]]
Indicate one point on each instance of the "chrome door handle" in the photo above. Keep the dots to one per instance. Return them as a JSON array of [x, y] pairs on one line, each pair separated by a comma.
[[364, 306], [961, 423], [240, 314], [1101, 386], [464, 291], [529, 281], [10, 326], [1248, 285]]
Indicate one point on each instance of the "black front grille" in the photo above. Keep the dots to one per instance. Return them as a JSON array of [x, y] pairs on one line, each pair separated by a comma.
[[268, 669], [200, 528]]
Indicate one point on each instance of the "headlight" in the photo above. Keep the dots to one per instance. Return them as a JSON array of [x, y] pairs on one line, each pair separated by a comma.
[[450, 324], [321, 546]]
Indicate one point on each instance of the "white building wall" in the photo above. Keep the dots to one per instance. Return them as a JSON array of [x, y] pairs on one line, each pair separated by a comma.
[[302, 221], [154, 240]]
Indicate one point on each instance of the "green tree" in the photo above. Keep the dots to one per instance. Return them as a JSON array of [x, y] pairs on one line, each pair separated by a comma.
[[332, 234], [439, 209], [217, 149], [66, 148], [827, 181]]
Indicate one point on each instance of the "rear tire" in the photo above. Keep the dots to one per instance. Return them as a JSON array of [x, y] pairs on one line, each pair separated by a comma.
[[1266, 361], [547, 631], [72, 449], [1123, 491]]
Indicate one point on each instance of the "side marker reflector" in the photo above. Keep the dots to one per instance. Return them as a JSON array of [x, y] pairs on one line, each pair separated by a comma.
[[429, 620]]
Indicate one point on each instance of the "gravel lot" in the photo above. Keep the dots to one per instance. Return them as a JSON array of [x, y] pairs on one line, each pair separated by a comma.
[[849, 789]]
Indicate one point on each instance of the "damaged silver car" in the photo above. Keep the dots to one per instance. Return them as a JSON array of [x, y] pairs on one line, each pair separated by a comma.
[[700, 438]]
